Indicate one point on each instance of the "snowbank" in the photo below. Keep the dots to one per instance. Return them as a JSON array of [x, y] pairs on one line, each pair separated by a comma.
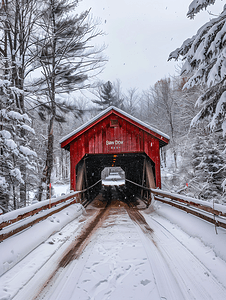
[[194, 227], [16, 248]]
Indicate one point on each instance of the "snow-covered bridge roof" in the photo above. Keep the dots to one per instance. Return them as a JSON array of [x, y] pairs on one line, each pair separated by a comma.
[[164, 138]]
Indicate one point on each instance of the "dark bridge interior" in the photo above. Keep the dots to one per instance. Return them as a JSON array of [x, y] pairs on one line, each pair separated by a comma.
[[136, 166]]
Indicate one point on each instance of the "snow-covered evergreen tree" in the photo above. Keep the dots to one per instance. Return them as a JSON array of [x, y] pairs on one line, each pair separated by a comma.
[[209, 167], [197, 5], [15, 149], [204, 57], [17, 19]]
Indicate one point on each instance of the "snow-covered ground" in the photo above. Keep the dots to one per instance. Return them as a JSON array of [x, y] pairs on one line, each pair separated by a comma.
[[59, 189], [113, 182], [171, 255], [15, 248], [113, 179]]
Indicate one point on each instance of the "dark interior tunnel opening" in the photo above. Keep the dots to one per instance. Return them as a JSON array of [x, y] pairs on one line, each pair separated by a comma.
[[138, 168]]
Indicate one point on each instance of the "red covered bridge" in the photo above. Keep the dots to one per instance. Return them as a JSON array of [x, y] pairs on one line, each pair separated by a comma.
[[115, 138]]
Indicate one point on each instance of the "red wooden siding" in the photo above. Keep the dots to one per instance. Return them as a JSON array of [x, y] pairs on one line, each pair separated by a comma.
[[102, 137]]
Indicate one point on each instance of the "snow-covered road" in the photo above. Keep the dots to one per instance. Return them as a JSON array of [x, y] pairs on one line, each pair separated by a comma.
[[131, 255]]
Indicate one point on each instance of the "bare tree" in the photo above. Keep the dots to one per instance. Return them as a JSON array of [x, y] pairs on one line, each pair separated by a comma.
[[131, 100], [65, 57], [164, 110], [117, 85]]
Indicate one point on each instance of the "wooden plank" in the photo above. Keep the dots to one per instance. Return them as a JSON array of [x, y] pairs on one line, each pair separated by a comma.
[[124, 137], [129, 138], [73, 166], [157, 164], [82, 145], [100, 141], [80, 175], [150, 175], [104, 138], [143, 177], [142, 141]]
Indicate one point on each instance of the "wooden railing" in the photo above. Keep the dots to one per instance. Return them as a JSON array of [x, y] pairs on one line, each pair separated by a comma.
[[25, 217], [25, 212], [209, 211], [20, 219]]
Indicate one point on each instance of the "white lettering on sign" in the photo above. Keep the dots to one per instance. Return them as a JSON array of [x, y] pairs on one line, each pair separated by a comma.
[[110, 143], [116, 142]]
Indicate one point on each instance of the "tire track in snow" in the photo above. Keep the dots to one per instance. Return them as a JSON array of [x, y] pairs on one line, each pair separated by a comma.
[[166, 283], [113, 266], [76, 248], [194, 280], [121, 272]]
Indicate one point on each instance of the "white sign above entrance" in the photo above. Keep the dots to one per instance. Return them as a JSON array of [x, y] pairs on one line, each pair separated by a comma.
[[116, 142]]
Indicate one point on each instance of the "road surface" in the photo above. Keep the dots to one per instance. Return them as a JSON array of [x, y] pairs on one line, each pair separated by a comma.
[[116, 252]]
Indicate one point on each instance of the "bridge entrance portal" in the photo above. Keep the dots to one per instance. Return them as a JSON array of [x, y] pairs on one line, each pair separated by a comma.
[[115, 139]]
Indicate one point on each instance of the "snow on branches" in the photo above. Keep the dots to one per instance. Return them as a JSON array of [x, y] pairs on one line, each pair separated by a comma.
[[15, 150], [204, 57], [198, 5]]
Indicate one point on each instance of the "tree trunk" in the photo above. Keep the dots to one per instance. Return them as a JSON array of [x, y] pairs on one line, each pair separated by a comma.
[[46, 177], [14, 198], [23, 186], [4, 202], [50, 69], [62, 165], [175, 157]]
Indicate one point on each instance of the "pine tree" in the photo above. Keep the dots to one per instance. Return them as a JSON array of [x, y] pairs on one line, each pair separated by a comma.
[[107, 96], [196, 6], [208, 164], [15, 149], [204, 58], [17, 19]]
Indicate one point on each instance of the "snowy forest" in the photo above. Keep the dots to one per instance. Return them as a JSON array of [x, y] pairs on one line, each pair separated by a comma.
[[49, 86]]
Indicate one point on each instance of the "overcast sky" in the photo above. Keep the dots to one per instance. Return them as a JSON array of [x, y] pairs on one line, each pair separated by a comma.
[[140, 34]]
